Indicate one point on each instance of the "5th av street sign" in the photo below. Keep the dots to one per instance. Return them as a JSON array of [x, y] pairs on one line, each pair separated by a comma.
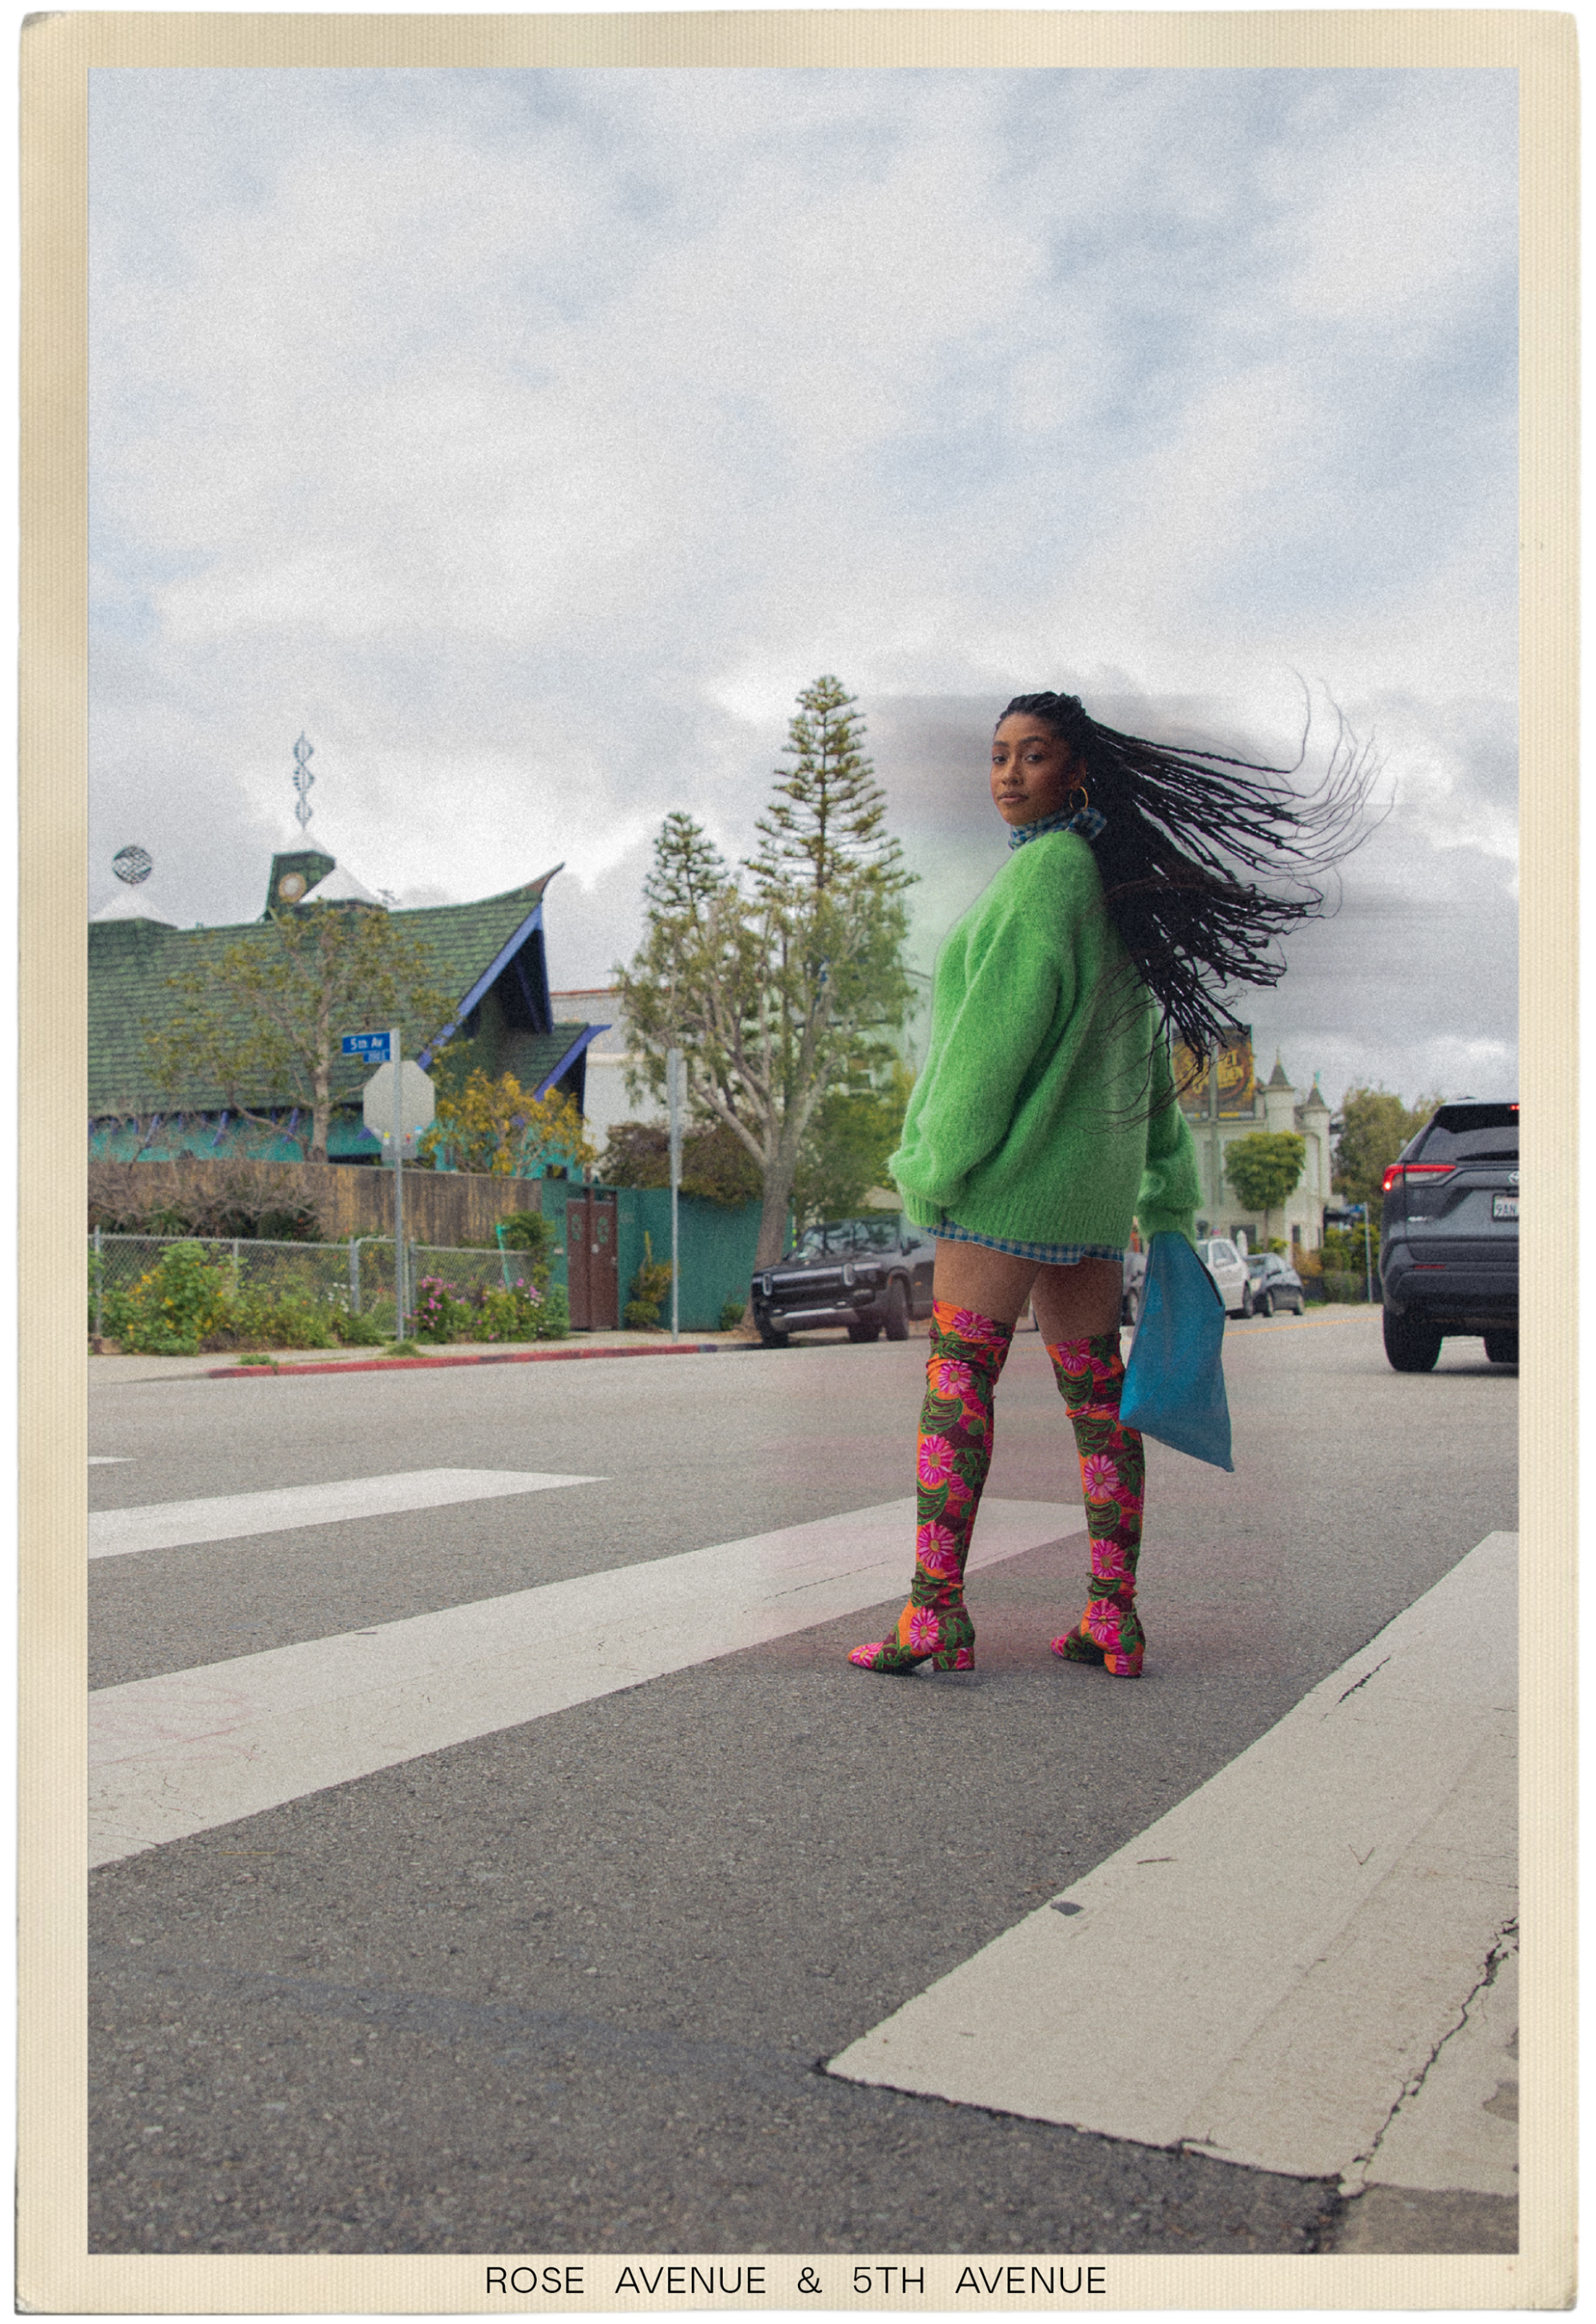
[[366, 1045]]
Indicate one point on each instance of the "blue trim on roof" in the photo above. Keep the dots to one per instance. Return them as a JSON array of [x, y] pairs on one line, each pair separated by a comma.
[[589, 1032], [532, 923]]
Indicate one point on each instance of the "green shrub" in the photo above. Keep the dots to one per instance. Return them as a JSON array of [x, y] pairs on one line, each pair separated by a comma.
[[732, 1314], [512, 1315], [168, 1312], [553, 1316], [257, 1317], [650, 1290], [363, 1330], [530, 1231]]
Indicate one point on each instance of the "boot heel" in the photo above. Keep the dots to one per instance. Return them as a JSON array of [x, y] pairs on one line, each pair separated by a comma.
[[943, 1637], [954, 1657]]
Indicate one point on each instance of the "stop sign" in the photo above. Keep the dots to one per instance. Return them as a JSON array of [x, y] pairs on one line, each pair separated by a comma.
[[417, 1105]]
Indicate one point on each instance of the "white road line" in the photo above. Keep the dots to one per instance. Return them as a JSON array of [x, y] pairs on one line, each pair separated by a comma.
[[233, 1516], [183, 1753], [108, 1460], [1261, 1974]]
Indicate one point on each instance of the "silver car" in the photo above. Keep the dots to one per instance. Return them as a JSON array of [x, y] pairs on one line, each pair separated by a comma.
[[1228, 1267]]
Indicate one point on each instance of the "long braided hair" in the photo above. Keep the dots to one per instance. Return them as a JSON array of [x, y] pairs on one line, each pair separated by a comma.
[[1187, 837]]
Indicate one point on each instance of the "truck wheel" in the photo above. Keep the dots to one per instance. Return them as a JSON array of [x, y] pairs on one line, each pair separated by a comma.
[[773, 1339], [896, 1309], [1412, 1345], [1265, 1304], [1501, 1346]]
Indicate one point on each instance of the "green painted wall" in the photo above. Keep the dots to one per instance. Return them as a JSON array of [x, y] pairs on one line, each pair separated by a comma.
[[717, 1245]]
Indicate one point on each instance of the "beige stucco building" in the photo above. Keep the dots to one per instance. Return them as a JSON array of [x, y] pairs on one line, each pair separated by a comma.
[[1236, 1105]]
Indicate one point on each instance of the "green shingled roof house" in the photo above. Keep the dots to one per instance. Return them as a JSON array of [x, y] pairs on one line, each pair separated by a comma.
[[488, 956]]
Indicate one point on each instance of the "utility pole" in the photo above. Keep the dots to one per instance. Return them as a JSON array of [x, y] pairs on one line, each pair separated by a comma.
[[1214, 1138], [673, 1081], [399, 1268]]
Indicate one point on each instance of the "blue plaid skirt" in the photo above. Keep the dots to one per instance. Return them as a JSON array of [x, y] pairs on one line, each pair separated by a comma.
[[1045, 1254]]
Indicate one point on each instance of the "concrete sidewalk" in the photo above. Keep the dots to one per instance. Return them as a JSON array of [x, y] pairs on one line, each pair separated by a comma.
[[580, 1346], [120, 1369]]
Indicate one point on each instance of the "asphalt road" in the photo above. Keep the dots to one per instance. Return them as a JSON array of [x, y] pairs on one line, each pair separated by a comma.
[[568, 1987]]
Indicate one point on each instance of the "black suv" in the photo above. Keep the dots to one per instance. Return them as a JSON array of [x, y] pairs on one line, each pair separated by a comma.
[[871, 1274], [1449, 1237]]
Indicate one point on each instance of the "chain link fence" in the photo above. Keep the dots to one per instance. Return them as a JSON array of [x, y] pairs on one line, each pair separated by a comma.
[[353, 1277]]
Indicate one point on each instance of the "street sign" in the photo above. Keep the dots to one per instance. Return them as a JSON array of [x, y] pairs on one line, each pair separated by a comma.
[[366, 1045], [417, 1105]]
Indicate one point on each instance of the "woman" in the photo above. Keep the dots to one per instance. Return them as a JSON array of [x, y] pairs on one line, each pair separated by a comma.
[[1048, 1116]]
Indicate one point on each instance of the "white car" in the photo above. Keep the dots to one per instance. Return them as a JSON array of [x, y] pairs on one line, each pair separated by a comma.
[[1228, 1267]]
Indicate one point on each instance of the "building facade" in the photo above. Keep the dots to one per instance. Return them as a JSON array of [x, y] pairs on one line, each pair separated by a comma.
[[608, 1055], [488, 956], [1227, 1102]]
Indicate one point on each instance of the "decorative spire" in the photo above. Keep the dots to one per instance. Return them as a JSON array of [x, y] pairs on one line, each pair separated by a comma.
[[303, 778]]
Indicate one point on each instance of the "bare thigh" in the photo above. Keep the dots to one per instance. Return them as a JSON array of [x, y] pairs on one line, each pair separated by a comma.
[[1071, 1303]]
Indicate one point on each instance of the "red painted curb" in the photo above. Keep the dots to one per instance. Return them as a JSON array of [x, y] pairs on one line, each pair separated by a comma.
[[436, 1363]]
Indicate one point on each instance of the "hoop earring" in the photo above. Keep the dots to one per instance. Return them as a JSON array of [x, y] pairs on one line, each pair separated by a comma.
[[1087, 819]]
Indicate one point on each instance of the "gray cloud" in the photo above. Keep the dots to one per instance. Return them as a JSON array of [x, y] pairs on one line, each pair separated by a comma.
[[530, 439]]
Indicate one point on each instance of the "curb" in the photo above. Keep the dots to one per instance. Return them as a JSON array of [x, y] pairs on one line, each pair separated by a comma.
[[436, 1363]]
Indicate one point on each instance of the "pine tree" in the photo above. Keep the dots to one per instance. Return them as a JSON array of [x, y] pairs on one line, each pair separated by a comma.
[[778, 980]]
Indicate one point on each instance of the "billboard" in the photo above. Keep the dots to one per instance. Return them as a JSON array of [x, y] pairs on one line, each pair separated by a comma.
[[1236, 1082]]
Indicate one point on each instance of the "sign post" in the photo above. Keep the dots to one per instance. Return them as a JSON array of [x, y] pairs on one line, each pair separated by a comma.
[[397, 1103], [401, 1304], [673, 1079]]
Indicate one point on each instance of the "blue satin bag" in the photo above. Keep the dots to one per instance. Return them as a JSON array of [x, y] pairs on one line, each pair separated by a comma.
[[1175, 1380]]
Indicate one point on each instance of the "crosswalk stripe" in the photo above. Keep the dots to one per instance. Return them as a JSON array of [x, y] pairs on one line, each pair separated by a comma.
[[236, 1517], [194, 1749], [1261, 1974]]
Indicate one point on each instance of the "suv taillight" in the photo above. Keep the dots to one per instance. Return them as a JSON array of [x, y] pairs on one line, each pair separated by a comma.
[[1399, 1172]]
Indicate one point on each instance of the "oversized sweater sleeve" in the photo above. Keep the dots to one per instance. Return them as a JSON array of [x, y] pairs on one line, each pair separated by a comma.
[[996, 997], [1171, 1185]]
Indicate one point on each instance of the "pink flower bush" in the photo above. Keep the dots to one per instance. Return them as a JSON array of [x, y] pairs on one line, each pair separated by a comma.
[[935, 1460]]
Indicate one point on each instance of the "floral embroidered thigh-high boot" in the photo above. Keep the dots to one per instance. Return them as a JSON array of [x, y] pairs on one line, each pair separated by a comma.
[[1090, 1376], [967, 1353]]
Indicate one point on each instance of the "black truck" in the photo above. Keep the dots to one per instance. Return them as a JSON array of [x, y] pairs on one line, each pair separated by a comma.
[[869, 1275]]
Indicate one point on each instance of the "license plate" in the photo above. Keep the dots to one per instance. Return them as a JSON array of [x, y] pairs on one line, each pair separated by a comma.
[[1504, 1206]]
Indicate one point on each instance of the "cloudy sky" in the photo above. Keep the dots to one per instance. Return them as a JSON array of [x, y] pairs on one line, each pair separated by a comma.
[[528, 438]]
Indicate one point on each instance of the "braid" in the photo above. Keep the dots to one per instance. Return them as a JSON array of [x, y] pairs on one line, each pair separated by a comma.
[[1189, 837]]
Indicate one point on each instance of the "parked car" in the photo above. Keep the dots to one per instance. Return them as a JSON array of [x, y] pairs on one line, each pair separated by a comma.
[[1133, 1284], [871, 1274], [1275, 1284], [1449, 1237], [1228, 1267]]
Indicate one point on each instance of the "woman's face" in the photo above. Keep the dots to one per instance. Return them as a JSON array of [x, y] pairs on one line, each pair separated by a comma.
[[1033, 770]]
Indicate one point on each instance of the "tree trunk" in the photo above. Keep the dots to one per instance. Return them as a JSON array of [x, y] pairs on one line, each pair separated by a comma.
[[778, 1203]]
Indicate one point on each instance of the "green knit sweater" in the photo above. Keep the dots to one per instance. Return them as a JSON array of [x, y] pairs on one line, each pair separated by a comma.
[[1036, 1118]]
